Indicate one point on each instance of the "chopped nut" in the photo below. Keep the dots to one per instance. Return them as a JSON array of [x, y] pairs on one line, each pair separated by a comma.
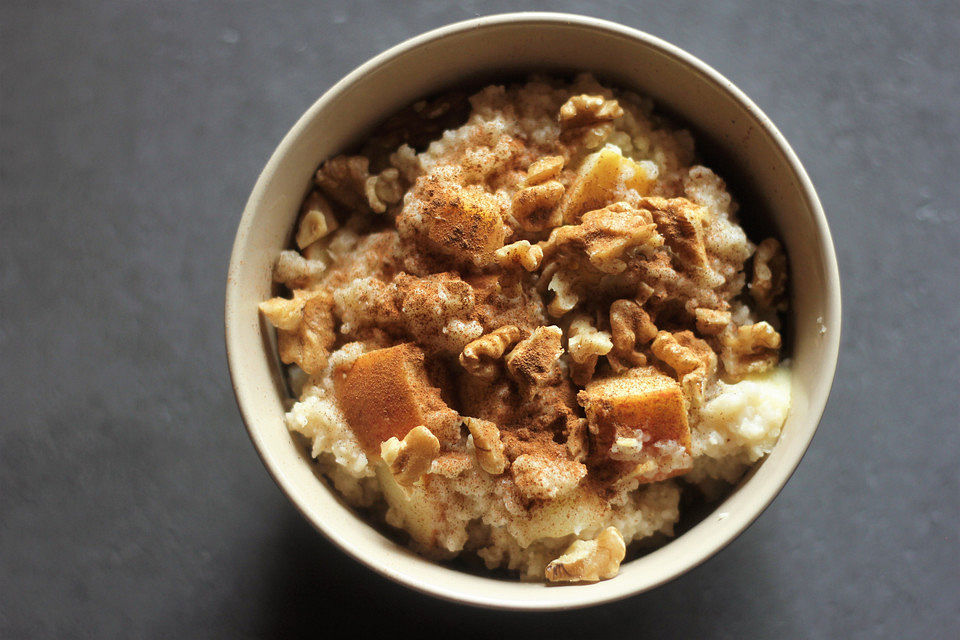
[[692, 359], [751, 348], [769, 275], [546, 168], [534, 360], [344, 180], [630, 327], [678, 221], [304, 328], [565, 297], [711, 322], [535, 207], [519, 253], [585, 345], [488, 445], [480, 357], [282, 313], [383, 189], [584, 110], [590, 560], [607, 237], [317, 221], [410, 458]]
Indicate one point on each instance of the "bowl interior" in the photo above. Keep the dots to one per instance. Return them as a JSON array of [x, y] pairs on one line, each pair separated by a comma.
[[508, 45]]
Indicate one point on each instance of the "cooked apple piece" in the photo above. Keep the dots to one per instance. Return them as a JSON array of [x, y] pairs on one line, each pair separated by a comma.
[[640, 417], [604, 177], [464, 223], [387, 393]]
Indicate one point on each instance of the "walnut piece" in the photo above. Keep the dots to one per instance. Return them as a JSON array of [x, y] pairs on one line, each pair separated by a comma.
[[751, 348], [304, 328], [565, 296], [678, 221], [535, 207], [711, 322], [585, 344], [607, 237], [317, 221], [481, 356], [383, 189], [344, 180], [411, 457], [590, 560], [488, 445], [534, 360], [546, 168], [520, 253], [583, 110], [630, 327], [769, 275], [692, 359]]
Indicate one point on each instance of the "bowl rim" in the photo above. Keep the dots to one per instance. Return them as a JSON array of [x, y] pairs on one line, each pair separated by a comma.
[[831, 320]]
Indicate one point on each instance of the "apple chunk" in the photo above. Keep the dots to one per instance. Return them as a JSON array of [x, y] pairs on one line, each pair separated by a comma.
[[640, 417], [387, 393]]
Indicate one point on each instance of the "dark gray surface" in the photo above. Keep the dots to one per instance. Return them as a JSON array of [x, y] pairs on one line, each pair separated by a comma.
[[133, 505]]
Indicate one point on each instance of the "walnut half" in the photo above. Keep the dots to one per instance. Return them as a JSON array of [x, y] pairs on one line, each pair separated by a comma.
[[590, 560]]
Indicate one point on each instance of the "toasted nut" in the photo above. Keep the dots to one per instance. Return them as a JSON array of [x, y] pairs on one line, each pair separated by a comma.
[[411, 457], [769, 274], [565, 298], [590, 560], [304, 328], [585, 345], [584, 110], [692, 359], [317, 221], [519, 253], [535, 207], [749, 349], [488, 445], [534, 360], [711, 322], [383, 189], [630, 328], [546, 168], [282, 313], [480, 356], [344, 180]]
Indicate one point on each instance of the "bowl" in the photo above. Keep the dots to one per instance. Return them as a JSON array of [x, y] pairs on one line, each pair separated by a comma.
[[501, 46]]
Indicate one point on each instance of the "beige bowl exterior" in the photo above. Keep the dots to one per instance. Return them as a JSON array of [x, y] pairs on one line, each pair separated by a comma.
[[500, 45]]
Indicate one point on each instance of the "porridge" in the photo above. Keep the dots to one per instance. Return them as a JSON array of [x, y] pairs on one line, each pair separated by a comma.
[[521, 323]]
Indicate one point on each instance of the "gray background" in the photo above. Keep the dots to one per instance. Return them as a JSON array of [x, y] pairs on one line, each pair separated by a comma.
[[131, 501]]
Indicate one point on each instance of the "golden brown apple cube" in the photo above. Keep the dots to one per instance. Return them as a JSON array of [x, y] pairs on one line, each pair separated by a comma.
[[642, 407], [387, 393], [465, 225], [604, 177]]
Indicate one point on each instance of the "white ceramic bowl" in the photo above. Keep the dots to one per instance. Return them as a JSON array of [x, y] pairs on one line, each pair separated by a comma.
[[507, 44]]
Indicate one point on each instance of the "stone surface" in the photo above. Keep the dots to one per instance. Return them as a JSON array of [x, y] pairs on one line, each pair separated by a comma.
[[131, 501]]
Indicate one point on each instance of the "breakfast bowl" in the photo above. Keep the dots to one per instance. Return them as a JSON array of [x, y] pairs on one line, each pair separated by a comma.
[[735, 135]]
